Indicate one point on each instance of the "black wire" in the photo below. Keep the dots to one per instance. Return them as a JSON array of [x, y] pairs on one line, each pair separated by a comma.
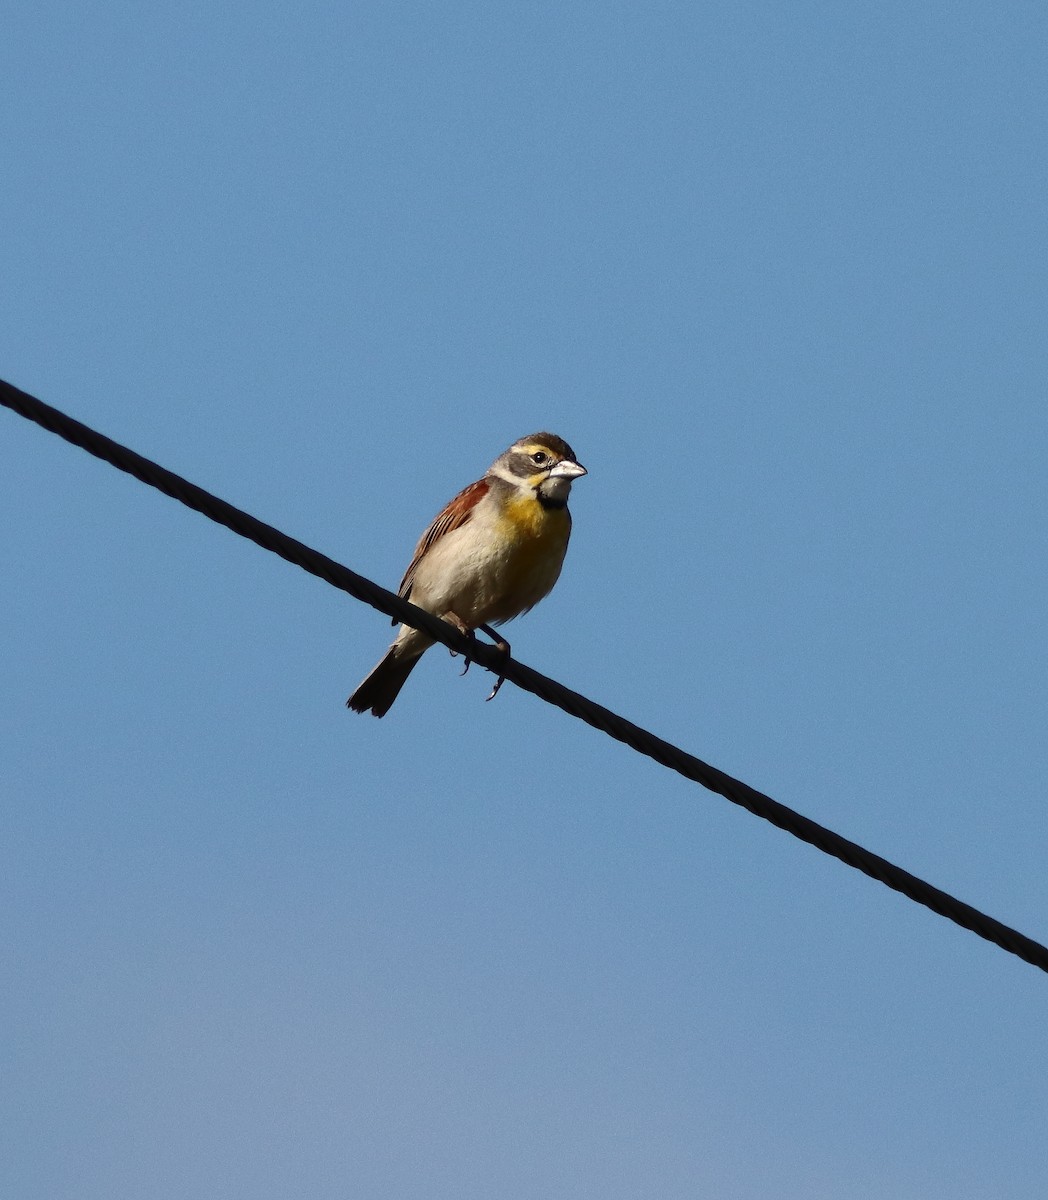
[[524, 677]]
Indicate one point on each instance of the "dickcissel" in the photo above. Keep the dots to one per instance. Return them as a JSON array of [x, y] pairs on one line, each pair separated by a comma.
[[492, 554]]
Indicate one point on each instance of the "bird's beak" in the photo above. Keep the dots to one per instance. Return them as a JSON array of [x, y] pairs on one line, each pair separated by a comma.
[[567, 470]]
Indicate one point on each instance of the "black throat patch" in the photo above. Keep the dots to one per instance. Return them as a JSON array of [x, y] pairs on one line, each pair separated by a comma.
[[548, 503]]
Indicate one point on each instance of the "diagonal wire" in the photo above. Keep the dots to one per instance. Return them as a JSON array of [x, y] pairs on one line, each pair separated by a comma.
[[547, 689]]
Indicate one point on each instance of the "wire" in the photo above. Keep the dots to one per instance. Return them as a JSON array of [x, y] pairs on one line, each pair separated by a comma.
[[547, 689]]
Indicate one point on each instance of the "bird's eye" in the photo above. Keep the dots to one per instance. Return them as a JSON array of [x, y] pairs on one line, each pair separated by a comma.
[[540, 457]]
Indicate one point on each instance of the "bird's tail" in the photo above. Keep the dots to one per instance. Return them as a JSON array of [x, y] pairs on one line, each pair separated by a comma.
[[377, 693]]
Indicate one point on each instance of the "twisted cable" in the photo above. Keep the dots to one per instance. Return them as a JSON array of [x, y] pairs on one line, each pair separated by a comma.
[[549, 690]]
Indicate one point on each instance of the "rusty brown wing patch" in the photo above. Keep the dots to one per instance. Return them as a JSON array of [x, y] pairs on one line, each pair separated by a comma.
[[455, 515]]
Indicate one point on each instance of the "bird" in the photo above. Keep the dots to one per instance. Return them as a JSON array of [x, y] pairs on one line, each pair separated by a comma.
[[493, 553]]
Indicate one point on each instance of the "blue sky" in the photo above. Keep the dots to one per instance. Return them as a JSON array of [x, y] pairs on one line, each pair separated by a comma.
[[777, 272]]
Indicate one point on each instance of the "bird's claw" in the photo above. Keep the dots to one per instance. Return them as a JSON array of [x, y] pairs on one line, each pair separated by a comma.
[[502, 645], [466, 632]]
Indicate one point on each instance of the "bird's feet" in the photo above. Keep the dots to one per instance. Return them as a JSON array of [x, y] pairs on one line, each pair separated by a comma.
[[500, 644], [503, 646], [464, 629]]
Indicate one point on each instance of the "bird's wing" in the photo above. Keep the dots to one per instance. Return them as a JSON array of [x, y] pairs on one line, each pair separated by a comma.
[[455, 515]]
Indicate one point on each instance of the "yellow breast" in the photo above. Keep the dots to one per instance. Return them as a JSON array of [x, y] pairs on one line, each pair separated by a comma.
[[536, 539], [532, 521]]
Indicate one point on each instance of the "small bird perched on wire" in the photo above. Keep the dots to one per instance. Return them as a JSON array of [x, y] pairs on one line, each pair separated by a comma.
[[494, 552]]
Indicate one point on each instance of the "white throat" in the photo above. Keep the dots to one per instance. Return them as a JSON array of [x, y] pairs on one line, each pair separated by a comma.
[[556, 488]]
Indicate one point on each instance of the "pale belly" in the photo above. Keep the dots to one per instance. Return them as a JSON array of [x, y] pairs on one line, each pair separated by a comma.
[[487, 573]]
